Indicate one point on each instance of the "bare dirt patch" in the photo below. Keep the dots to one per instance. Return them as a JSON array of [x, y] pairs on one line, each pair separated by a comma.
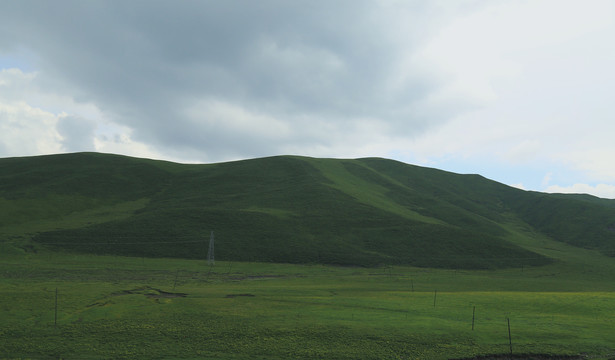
[[150, 292], [254, 277], [230, 296]]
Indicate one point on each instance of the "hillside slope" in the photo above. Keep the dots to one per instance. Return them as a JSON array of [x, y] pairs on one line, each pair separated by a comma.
[[286, 209]]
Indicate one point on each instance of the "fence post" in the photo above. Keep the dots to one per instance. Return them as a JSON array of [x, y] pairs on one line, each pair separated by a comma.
[[175, 282], [509, 338], [55, 313]]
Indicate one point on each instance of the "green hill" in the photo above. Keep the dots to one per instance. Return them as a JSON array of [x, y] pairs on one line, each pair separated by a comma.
[[288, 209]]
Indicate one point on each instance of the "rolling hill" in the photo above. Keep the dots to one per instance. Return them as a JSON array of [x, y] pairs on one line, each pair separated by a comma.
[[291, 209]]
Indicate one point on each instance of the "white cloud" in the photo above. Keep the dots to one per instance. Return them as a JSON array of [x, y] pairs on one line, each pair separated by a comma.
[[120, 142], [34, 122], [600, 190], [547, 179], [539, 75], [522, 152], [518, 186], [25, 130], [593, 156]]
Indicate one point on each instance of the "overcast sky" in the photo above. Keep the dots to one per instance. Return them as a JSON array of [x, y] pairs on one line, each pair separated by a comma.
[[521, 92]]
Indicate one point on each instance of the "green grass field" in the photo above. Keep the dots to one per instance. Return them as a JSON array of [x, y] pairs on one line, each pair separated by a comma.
[[122, 240], [288, 209], [123, 307]]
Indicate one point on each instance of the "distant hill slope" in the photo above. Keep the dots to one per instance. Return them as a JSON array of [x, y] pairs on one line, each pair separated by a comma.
[[287, 209]]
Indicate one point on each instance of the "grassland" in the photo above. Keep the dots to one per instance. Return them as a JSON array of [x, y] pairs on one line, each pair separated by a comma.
[[126, 308], [365, 212], [123, 307], [317, 258]]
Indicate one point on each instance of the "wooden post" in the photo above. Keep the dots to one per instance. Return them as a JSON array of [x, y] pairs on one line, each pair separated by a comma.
[[473, 312], [55, 313], [509, 338], [175, 282], [209, 272]]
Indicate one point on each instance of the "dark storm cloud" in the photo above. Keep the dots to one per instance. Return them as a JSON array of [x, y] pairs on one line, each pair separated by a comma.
[[157, 66]]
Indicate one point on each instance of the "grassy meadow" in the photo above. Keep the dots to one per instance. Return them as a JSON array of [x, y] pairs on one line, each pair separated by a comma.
[[287, 209], [317, 259], [127, 307]]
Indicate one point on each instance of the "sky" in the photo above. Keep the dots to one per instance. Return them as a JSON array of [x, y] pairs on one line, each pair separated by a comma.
[[521, 92]]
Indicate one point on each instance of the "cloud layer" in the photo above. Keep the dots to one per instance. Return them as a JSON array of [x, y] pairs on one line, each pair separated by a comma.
[[474, 86], [191, 76]]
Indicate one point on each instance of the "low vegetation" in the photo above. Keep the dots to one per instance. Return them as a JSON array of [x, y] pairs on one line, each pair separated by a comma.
[[103, 256], [128, 308], [365, 212]]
